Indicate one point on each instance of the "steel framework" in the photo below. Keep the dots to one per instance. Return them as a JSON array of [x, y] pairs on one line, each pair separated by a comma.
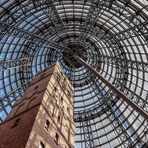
[[117, 92], [110, 35]]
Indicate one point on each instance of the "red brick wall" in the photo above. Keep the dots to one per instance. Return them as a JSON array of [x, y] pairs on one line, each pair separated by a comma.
[[32, 119], [26, 109], [17, 136]]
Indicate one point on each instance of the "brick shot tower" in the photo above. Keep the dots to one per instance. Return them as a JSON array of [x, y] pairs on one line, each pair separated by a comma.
[[43, 117]]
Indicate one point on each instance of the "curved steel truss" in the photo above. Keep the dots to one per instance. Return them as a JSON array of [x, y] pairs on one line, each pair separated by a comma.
[[110, 35]]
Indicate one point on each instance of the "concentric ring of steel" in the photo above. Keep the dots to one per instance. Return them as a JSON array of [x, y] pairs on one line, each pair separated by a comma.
[[116, 46]]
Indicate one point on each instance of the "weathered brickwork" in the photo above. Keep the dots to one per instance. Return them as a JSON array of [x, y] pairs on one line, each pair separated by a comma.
[[43, 116]]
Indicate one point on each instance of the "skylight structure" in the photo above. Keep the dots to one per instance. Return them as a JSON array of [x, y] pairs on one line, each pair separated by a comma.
[[110, 35]]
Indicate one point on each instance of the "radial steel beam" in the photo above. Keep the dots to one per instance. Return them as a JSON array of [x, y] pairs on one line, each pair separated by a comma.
[[113, 88], [5, 98], [92, 17], [28, 36], [118, 61], [12, 64], [88, 135], [49, 8], [137, 65], [119, 127]]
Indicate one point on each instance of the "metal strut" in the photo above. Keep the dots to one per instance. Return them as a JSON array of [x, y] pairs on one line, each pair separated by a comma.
[[113, 88], [50, 9], [12, 64], [28, 36]]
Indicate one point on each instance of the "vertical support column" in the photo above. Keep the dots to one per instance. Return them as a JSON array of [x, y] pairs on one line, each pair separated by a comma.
[[119, 128], [113, 88], [87, 132]]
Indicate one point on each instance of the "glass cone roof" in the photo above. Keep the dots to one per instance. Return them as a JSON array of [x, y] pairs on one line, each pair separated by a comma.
[[110, 35]]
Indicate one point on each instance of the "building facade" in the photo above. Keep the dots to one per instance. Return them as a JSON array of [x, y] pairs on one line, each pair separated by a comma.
[[43, 118]]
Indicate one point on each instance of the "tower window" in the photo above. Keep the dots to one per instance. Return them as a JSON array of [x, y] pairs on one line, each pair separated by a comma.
[[47, 125], [59, 118], [41, 145], [68, 110], [56, 138], [55, 89], [62, 99], [64, 86], [36, 87], [16, 123], [58, 78], [52, 114]]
